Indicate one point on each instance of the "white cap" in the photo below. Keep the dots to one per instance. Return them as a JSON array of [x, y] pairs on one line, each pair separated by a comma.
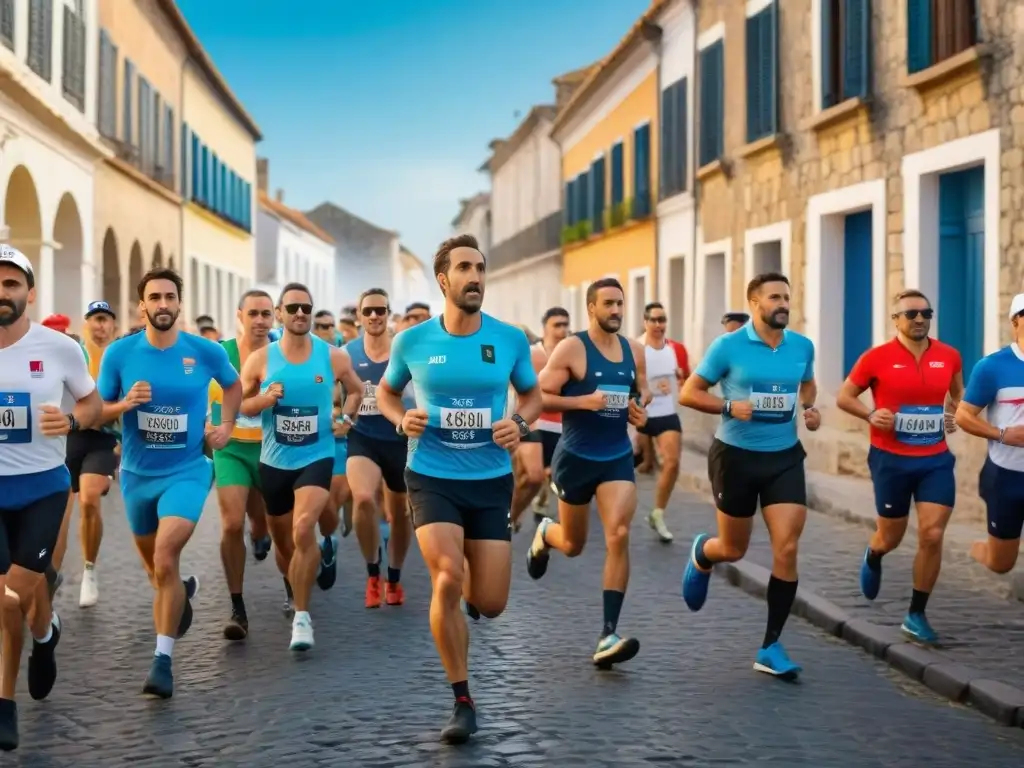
[[16, 258], [1017, 305]]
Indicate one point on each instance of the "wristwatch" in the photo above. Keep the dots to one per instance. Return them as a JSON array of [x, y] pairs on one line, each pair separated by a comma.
[[399, 431], [524, 428], [73, 424]]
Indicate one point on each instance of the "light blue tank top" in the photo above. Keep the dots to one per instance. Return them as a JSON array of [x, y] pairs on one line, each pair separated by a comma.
[[297, 431]]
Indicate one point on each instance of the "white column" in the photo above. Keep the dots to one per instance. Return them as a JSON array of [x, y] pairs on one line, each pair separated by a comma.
[[44, 281]]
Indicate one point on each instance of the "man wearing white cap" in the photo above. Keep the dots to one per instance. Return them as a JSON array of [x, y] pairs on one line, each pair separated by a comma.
[[39, 370], [997, 384]]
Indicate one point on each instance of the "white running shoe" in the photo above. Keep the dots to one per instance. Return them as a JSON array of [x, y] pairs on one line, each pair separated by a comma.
[[657, 521], [90, 589], [302, 633]]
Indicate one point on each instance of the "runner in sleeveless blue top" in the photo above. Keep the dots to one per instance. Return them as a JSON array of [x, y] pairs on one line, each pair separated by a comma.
[[459, 473], [766, 374], [598, 380], [160, 380], [291, 383], [376, 452]]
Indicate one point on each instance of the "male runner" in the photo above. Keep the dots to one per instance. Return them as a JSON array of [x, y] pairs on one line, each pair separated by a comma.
[[459, 474], [910, 379], [764, 371], [290, 383], [663, 427], [348, 329], [997, 383], [41, 370], [416, 313], [158, 381], [376, 452], [237, 465], [597, 379], [733, 321]]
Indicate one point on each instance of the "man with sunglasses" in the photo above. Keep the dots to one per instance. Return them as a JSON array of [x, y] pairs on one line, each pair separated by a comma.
[[916, 383], [236, 465], [376, 452], [290, 384]]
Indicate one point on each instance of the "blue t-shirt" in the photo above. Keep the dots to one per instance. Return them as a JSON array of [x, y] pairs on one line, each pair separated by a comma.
[[166, 435], [748, 369], [997, 384], [462, 384]]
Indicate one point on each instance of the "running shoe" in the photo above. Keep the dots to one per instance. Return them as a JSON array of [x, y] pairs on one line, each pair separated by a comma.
[[42, 664], [774, 660], [462, 724], [916, 627], [302, 633], [695, 580], [160, 680], [613, 649]]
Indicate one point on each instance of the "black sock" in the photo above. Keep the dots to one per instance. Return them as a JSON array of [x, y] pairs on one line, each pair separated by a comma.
[[780, 602], [394, 575], [612, 609], [702, 560], [874, 560], [918, 601], [288, 588], [373, 570], [237, 603], [461, 690]]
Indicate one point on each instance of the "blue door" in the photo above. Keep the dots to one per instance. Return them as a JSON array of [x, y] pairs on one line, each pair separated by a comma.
[[961, 298], [857, 300]]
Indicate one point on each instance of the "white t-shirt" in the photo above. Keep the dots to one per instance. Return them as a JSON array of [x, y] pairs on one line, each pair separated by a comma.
[[661, 380], [40, 369]]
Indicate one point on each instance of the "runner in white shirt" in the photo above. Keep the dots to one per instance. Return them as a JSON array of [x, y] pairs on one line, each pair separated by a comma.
[[663, 426], [40, 369]]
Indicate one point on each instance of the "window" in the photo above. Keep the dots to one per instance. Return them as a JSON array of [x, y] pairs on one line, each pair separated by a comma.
[[939, 29], [204, 174], [596, 194], [618, 180], [569, 217], [845, 50], [7, 23], [672, 176], [642, 171], [186, 162], [145, 123], [583, 197], [73, 79], [762, 73], [168, 146], [195, 186], [712, 103], [106, 112], [40, 37], [128, 124], [156, 148]]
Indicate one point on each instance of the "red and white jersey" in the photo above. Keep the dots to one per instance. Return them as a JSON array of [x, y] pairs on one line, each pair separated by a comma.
[[549, 421]]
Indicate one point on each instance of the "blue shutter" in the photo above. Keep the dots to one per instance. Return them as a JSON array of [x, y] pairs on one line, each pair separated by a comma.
[[712, 95], [584, 196], [247, 203], [642, 170], [919, 35], [754, 64], [232, 207], [718, 70], [567, 205], [770, 69], [681, 136], [618, 190], [597, 193], [666, 159], [829, 97], [186, 179], [857, 48], [196, 184]]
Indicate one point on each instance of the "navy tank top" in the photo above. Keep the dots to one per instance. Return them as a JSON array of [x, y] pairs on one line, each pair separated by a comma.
[[600, 435]]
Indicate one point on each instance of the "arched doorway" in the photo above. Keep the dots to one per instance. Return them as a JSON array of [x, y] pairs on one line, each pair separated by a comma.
[[158, 256], [67, 262], [135, 271], [112, 273], [21, 214]]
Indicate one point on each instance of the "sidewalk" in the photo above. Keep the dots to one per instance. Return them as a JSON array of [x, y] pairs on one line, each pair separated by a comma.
[[982, 629]]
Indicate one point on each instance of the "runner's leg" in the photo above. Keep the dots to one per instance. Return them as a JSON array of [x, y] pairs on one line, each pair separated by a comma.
[[364, 478]]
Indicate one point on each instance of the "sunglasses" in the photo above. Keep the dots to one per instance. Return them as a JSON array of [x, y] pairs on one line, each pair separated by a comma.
[[294, 309], [911, 314], [378, 311], [657, 320], [563, 324], [325, 326]]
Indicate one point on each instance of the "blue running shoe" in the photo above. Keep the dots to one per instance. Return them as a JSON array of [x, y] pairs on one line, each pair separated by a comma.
[[261, 548], [916, 627], [774, 660], [870, 578], [160, 680], [696, 581], [328, 571], [613, 649]]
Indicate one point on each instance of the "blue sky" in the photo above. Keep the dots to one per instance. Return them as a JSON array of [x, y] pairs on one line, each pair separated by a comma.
[[387, 107]]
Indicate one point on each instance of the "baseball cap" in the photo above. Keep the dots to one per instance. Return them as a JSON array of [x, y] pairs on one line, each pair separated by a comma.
[[16, 258], [58, 322], [99, 308], [1017, 305], [735, 317]]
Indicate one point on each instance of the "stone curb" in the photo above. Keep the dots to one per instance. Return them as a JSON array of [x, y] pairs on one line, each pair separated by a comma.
[[1003, 703]]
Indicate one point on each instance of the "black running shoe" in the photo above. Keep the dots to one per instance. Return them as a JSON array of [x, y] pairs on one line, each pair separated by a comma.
[[462, 724], [237, 627], [8, 725], [191, 585], [328, 572], [261, 548], [42, 664]]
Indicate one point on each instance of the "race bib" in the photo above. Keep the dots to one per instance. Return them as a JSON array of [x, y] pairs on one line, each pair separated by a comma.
[[162, 426], [920, 424], [295, 425], [660, 385], [615, 398], [465, 427], [15, 419], [368, 405], [773, 402]]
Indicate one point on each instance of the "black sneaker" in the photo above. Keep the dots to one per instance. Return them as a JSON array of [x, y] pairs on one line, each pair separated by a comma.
[[328, 572], [261, 548], [8, 725], [462, 724], [42, 664], [191, 585], [160, 680], [237, 627]]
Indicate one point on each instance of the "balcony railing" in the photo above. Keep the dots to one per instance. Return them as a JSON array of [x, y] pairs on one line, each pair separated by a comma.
[[536, 239], [7, 23], [40, 37], [73, 81]]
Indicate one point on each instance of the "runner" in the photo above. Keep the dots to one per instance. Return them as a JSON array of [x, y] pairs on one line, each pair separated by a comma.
[[756, 457], [348, 329], [236, 465], [416, 313], [733, 321], [997, 383], [459, 474], [597, 379], [165, 478], [910, 379], [40, 370], [291, 384], [376, 452]]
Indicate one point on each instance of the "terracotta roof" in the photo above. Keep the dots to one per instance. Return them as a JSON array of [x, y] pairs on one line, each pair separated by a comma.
[[468, 204], [202, 58], [502, 150], [292, 216], [604, 69]]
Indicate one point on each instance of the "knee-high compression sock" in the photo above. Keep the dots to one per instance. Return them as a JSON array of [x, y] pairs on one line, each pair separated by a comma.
[[780, 602]]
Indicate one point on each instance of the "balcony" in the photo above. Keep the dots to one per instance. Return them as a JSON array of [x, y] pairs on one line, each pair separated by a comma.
[[7, 23], [538, 238]]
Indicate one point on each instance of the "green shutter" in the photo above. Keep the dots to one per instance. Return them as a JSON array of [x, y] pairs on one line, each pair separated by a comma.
[[857, 49], [770, 71], [618, 192], [754, 83], [919, 35]]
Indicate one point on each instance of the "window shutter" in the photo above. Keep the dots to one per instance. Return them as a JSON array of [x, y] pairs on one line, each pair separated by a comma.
[[770, 70], [127, 124], [681, 136], [617, 191], [919, 35], [642, 169], [666, 164], [706, 95], [754, 64], [567, 205], [829, 97], [718, 127], [857, 48], [185, 162], [169, 144]]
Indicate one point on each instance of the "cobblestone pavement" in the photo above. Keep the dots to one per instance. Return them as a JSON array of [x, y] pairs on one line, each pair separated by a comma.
[[372, 692], [978, 628]]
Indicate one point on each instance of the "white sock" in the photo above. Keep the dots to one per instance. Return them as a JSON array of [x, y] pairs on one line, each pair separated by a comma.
[[301, 616], [165, 645]]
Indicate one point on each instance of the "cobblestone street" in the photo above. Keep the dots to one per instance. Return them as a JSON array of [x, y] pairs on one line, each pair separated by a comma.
[[372, 692]]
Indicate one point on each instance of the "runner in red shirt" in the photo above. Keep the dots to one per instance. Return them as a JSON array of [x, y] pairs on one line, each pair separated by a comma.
[[910, 379]]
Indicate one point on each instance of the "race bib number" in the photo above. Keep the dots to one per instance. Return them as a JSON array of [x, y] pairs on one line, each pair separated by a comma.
[[773, 402], [465, 427], [295, 425], [163, 427], [660, 385], [615, 399], [920, 424], [368, 405], [15, 419]]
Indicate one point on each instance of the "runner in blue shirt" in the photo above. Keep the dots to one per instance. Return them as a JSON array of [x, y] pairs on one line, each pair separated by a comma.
[[766, 374], [459, 472], [160, 379]]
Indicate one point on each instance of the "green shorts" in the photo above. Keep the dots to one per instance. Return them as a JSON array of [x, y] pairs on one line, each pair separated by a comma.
[[238, 463]]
